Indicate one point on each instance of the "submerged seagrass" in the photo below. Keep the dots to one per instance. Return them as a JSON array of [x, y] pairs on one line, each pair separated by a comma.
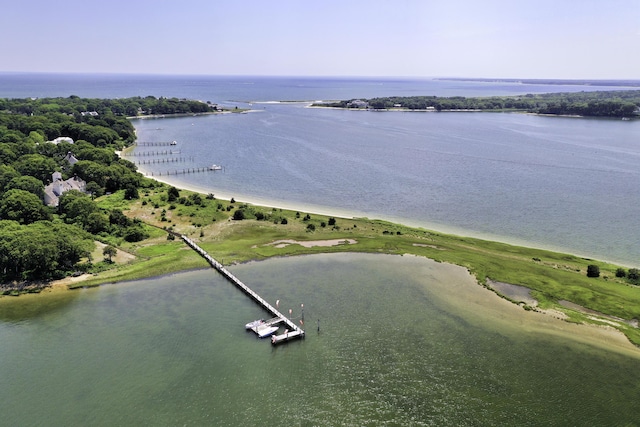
[[403, 340]]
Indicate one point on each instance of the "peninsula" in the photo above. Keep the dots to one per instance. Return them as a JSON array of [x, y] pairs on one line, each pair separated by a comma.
[[115, 228], [614, 104]]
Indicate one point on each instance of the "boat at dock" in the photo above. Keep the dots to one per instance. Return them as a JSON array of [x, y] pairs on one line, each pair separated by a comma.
[[265, 331], [254, 324], [215, 167]]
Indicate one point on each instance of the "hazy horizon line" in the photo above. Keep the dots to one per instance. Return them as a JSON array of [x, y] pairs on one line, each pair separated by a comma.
[[337, 76]]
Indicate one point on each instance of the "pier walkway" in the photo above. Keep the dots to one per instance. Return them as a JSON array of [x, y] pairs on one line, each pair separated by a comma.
[[294, 331]]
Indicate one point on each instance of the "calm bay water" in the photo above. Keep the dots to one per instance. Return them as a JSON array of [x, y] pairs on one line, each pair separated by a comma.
[[559, 183], [397, 345], [403, 340]]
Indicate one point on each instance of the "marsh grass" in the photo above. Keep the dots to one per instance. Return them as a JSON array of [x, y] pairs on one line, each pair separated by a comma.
[[551, 276]]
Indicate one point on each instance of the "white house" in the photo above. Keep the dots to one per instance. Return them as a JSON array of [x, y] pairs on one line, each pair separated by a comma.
[[60, 139], [53, 191]]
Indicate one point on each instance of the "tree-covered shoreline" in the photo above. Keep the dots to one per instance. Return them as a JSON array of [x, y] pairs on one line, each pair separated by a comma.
[[76, 138], [615, 104]]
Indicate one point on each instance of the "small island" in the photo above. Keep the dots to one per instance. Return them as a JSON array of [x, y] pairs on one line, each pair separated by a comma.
[[615, 104], [108, 223]]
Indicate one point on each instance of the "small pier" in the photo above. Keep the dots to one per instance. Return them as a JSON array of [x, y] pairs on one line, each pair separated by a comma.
[[169, 160], [151, 153], [293, 331], [155, 144], [183, 171]]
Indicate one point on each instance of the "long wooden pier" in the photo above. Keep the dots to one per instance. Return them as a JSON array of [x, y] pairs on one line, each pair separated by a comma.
[[293, 331]]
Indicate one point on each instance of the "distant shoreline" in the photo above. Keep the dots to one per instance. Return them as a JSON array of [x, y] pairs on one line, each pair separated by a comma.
[[559, 82]]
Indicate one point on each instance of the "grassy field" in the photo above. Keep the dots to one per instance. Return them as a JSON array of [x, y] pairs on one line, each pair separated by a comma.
[[552, 277]]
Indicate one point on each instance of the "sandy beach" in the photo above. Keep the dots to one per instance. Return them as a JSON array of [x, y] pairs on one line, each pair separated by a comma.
[[240, 198]]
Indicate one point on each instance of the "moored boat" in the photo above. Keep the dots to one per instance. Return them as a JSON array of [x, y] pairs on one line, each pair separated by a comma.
[[254, 324], [264, 331]]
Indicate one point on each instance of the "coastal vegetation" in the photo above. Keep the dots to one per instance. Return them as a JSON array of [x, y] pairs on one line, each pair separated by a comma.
[[554, 279], [74, 137], [595, 104], [120, 227]]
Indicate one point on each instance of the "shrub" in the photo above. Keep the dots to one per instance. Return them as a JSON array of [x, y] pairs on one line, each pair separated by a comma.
[[131, 192], [172, 194], [593, 270], [238, 215], [621, 273]]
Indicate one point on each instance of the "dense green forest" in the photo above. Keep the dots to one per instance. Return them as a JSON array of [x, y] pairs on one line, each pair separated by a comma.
[[39, 242], [596, 104]]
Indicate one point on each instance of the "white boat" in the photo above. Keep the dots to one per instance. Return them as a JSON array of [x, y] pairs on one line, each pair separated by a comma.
[[215, 167], [174, 142], [254, 324], [264, 331]]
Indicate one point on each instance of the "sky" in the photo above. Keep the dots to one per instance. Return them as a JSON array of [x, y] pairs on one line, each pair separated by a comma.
[[551, 39]]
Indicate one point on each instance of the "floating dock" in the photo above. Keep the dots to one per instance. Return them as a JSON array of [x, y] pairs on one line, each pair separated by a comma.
[[293, 331]]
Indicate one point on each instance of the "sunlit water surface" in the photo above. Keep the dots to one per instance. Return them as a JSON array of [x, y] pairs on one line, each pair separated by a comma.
[[402, 341]]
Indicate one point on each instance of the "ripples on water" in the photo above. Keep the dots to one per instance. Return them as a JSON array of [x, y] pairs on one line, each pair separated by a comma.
[[403, 341], [558, 183]]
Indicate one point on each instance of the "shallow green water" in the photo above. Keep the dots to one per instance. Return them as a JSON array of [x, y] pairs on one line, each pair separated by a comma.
[[402, 341]]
